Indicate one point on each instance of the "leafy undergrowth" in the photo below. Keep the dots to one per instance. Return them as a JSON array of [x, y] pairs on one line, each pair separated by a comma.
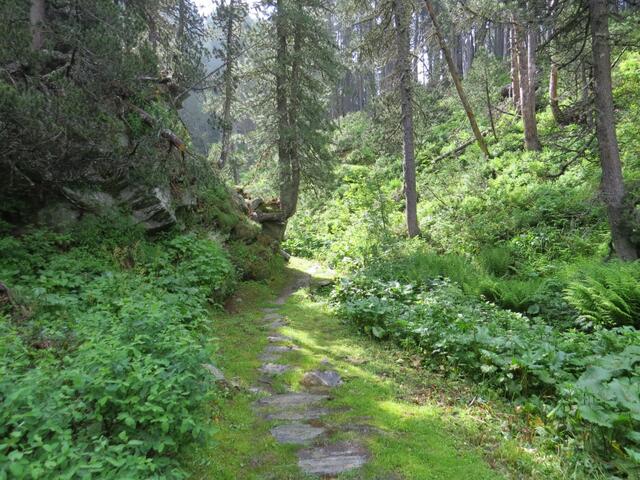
[[586, 385], [102, 341], [427, 424]]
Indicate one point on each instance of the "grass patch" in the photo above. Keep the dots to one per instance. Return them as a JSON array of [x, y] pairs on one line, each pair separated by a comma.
[[426, 426]]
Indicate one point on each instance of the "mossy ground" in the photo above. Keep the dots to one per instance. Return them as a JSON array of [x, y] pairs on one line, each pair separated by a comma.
[[427, 425]]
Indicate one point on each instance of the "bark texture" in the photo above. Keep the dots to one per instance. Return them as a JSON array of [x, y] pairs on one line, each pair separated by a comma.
[[613, 191], [526, 57], [553, 94], [37, 19], [284, 158], [406, 105], [515, 71], [229, 89]]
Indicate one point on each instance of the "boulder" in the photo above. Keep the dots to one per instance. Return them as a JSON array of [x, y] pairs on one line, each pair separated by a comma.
[[152, 209], [59, 216], [95, 201], [186, 199], [246, 230]]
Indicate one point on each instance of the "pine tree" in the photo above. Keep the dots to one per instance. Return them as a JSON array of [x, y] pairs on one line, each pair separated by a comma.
[[229, 18], [293, 66]]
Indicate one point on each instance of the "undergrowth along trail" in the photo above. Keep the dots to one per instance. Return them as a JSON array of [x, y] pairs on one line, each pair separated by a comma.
[[412, 422]]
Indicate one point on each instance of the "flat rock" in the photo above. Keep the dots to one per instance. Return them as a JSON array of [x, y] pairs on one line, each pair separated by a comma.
[[217, 374], [269, 357], [280, 348], [272, 316], [278, 323], [332, 459], [269, 309], [321, 378], [274, 368], [297, 415], [293, 399], [296, 433], [278, 338]]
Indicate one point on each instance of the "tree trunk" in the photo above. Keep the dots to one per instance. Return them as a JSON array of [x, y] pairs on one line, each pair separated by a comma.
[[527, 90], [229, 90], [487, 94], [284, 133], [403, 63], [456, 80], [612, 180], [182, 14], [294, 109], [36, 19], [553, 95], [498, 46], [515, 71]]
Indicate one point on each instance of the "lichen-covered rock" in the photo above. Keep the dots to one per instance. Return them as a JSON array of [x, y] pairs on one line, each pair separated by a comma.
[[91, 200], [246, 230], [152, 209]]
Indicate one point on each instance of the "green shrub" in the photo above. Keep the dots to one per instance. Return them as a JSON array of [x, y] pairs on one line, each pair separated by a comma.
[[255, 261], [197, 264], [519, 295], [498, 261], [586, 384], [101, 368], [607, 294]]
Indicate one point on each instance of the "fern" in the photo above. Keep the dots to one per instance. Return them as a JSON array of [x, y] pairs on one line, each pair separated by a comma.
[[607, 295]]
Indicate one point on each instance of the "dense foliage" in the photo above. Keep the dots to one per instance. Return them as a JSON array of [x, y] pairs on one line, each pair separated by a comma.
[[68, 101], [512, 281], [586, 385], [103, 341]]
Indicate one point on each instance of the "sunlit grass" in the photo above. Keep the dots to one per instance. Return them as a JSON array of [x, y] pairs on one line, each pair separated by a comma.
[[423, 425]]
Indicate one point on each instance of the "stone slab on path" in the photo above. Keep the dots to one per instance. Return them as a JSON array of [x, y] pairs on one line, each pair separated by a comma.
[[297, 415], [321, 378], [332, 459], [292, 399], [269, 357], [296, 433], [277, 324], [280, 348], [274, 368], [272, 316], [215, 372], [278, 338]]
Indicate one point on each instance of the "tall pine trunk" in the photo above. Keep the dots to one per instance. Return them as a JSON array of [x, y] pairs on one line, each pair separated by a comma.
[[284, 132], [406, 103], [527, 88], [294, 110], [456, 80], [515, 70], [612, 185], [554, 102], [229, 88], [36, 19]]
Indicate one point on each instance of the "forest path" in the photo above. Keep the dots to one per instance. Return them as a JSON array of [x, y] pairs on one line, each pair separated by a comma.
[[307, 396]]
